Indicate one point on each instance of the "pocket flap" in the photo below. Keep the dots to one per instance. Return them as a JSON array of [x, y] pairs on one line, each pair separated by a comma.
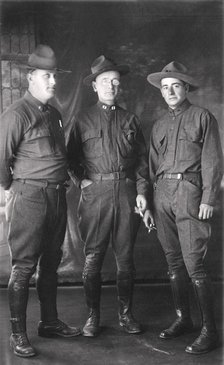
[[92, 133]]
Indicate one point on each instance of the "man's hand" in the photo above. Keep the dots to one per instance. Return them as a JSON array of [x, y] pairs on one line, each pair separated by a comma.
[[85, 183], [205, 211], [149, 220], [141, 204], [7, 195]]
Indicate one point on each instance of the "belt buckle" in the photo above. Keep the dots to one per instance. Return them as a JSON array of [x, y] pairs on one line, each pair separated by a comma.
[[180, 176]]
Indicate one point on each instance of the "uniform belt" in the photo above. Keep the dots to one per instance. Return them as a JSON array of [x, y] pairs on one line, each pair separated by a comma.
[[179, 176], [110, 176], [43, 183]]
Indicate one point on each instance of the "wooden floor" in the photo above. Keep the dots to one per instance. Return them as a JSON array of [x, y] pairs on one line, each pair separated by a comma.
[[152, 306]]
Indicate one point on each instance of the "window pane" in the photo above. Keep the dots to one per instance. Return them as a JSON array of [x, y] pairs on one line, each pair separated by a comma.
[[6, 73], [15, 44], [15, 75], [6, 96], [5, 44], [15, 95]]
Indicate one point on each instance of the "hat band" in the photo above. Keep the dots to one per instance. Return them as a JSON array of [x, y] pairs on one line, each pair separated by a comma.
[[106, 65]]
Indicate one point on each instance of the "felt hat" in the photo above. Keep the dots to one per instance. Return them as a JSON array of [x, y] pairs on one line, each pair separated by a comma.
[[43, 58], [103, 64], [175, 70]]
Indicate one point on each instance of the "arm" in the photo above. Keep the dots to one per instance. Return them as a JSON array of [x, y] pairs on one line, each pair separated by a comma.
[[74, 151], [10, 138], [153, 157], [211, 163], [141, 169]]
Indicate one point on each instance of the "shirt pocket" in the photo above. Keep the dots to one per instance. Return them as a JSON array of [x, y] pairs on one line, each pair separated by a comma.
[[190, 144], [128, 140], [92, 143], [41, 142]]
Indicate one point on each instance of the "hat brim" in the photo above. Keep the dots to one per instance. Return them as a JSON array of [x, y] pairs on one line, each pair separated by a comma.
[[155, 79], [28, 67], [122, 69]]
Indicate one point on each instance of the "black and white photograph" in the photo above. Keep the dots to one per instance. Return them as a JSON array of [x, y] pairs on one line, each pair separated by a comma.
[[111, 182]]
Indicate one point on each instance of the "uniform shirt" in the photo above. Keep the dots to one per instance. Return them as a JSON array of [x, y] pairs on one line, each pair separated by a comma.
[[187, 140], [32, 143], [108, 139]]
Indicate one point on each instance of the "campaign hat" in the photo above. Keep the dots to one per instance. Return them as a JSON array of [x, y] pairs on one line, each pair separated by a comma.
[[103, 64], [43, 58], [174, 70]]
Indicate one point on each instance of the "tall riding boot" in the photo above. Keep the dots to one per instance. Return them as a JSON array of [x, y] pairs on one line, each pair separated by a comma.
[[183, 323], [46, 284], [208, 338], [18, 292], [92, 288], [50, 325], [125, 284]]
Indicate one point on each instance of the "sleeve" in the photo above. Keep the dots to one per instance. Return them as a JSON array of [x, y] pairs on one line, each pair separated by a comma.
[[211, 159], [153, 156], [74, 155], [10, 138], [141, 169]]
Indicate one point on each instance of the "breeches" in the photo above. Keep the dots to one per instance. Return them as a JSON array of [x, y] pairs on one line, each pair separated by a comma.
[[106, 211], [37, 223], [183, 236]]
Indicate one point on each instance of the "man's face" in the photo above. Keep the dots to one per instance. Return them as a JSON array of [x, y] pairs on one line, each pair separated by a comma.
[[107, 85], [174, 91], [42, 84]]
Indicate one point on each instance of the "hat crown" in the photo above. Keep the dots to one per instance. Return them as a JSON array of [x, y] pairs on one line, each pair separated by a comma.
[[101, 63], [43, 57], [175, 67]]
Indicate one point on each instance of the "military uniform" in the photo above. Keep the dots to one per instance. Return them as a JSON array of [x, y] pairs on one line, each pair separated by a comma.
[[107, 147], [185, 165], [33, 170]]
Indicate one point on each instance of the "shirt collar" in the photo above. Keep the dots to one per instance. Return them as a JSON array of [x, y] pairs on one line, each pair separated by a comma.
[[106, 107], [35, 102], [180, 109]]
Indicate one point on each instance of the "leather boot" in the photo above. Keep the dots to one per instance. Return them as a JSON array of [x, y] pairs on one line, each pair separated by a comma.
[[57, 329], [18, 339], [46, 284], [92, 288], [18, 290], [125, 284], [183, 323], [50, 325], [208, 338]]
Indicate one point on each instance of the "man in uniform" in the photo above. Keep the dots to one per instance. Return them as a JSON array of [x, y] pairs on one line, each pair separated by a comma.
[[33, 171], [108, 162], [185, 163]]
